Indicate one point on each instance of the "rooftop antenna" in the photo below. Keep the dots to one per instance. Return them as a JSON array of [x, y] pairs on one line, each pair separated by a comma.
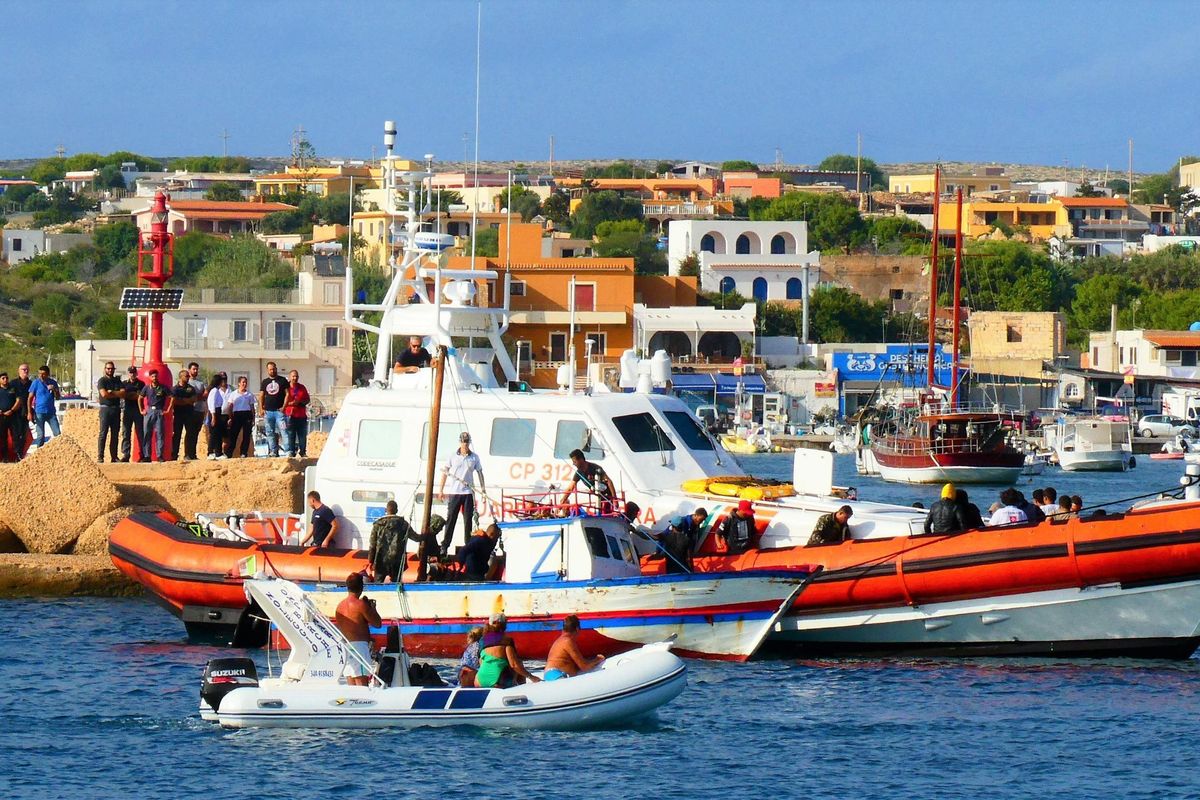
[[778, 159], [389, 188]]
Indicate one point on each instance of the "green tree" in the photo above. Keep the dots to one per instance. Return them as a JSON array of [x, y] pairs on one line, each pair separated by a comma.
[[211, 164], [1010, 276], [18, 194], [873, 176], [109, 325], [898, 234], [663, 167], [224, 191], [1118, 186], [521, 201], [739, 165], [689, 265], [832, 221], [839, 315], [780, 320], [440, 201], [617, 169], [115, 241], [1094, 298], [192, 251], [557, 208], [244, 261], [1087, 190], [48, 170], [603, 207], [63, 207], [110, 177], [629, 239], [1157, 189], [486, 243]]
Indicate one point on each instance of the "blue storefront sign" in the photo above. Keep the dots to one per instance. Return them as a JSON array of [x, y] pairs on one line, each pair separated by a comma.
[[901, 365]]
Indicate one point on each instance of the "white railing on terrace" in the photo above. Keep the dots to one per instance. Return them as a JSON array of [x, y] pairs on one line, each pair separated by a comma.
[[204, 343], [680, 209], [241, 294]]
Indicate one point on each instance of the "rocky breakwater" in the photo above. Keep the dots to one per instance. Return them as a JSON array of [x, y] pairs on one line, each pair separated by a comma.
[[58, 506]]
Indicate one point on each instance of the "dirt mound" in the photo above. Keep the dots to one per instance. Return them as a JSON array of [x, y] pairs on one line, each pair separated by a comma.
[[316, 443], [185, 488], [83, 425], [53, 495], [94, 540]]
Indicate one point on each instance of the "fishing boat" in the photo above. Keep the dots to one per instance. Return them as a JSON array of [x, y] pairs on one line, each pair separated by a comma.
[[310, 692], [1095, 445]]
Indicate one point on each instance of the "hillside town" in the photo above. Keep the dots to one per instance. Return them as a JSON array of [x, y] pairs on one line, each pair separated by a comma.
[[782, 294]]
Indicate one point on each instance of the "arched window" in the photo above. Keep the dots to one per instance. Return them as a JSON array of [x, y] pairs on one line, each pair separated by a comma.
[[742, 248], [760, 289], [778, 245], [728, 285], [708, 244], [795, 289]]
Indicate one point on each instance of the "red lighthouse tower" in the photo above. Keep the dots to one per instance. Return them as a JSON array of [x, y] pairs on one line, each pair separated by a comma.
[[155, 266]]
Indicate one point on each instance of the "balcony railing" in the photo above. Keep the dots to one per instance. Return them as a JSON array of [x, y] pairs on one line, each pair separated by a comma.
[[242, 295], [236, 346], [680, 209]]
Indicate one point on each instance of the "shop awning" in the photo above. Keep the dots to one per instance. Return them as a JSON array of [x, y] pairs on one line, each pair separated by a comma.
[[693, 381], [751, 384]]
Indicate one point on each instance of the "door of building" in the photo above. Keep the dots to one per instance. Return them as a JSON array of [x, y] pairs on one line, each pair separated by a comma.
[[585, 297]]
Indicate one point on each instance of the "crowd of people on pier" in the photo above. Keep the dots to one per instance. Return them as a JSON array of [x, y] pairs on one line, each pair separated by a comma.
[[136, 412]]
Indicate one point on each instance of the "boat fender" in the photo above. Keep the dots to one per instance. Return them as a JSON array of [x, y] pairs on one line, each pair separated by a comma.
[[223, 675], [1132, 462]]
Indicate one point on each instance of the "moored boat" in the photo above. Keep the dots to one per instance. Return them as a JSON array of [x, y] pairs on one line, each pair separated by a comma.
[[310, 693], [1096, 445]]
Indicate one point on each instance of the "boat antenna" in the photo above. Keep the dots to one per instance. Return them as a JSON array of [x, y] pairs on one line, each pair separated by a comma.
[[958, 264], [475, 182], [931, 373]]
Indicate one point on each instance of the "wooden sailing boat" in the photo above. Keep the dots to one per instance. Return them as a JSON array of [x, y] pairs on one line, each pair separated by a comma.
[[942, 440]]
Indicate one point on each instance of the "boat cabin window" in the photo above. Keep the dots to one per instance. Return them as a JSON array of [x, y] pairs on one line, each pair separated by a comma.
[[512, 437], [572, 434], [447, 440], [597, 542], [642, 433], [379, 438], [689, 430]]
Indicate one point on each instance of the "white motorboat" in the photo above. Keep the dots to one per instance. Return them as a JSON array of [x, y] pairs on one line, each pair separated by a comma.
[[1092, 445], [310, 691]]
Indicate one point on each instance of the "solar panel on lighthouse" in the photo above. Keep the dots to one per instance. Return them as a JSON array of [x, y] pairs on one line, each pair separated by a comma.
[[145, 299]]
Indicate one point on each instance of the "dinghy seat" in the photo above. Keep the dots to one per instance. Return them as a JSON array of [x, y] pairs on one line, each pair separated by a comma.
[[393, 662]]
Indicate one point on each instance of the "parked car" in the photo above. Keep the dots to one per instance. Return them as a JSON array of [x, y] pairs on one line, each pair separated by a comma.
[[1153, 425]]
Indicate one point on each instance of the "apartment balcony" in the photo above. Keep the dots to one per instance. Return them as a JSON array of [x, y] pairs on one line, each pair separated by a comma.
[[241, 295], [702, 209], [212, 347]]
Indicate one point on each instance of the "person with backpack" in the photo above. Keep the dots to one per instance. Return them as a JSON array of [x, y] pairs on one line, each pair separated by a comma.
[[739, 532]]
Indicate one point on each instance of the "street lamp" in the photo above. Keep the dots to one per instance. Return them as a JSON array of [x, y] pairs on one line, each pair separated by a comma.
[[91, 369]]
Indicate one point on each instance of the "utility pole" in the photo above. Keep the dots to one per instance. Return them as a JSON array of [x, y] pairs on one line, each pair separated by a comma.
[[1130, 192], [858, 173], [778, 159], [224, 143], [466, 137], [552, 155]]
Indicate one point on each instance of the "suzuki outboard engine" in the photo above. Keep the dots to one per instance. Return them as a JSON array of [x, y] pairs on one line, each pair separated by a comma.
[[222, 676]]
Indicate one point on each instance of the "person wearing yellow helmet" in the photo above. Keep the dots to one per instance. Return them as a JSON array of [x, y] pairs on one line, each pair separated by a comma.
[[945, 516]]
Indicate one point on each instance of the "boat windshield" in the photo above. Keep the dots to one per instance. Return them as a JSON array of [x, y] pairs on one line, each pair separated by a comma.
[[690, 432], [642, 433]]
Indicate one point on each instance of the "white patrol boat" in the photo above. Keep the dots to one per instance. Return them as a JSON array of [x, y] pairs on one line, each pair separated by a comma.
[[310, 691]]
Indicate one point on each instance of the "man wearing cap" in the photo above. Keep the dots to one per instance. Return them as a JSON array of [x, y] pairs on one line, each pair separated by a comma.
[[463, 464], [739, 531], [946, 515], [832, 528], [131, 417]]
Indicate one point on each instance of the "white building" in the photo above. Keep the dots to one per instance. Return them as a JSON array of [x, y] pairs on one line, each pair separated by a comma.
[[685, 331], [22, 244], [763, 260], [238, 330], [1147, 353]]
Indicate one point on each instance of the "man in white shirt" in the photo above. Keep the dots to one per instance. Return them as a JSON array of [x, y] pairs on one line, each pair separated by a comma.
[[460, 498], [1049, 501], [1008, 513]]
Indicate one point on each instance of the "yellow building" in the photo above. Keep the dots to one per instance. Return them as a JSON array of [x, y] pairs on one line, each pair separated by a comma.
[[993, 180], [321, 181], [980, 218]]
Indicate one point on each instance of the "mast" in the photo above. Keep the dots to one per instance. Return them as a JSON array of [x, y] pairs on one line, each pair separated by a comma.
[[435, 423], [957, 300], [933, 278]]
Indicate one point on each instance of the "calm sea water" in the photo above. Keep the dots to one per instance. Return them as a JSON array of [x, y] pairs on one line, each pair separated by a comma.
[[98, 699]]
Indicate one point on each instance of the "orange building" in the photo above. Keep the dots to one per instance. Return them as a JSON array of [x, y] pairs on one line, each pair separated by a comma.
[[544, 291]]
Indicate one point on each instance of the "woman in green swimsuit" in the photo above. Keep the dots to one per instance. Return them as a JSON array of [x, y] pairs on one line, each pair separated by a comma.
[[499, 664]]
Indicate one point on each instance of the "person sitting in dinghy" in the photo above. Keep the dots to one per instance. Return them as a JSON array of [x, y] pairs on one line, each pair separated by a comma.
[[499, 665], [565, 659], [832, 528], [468, 665]]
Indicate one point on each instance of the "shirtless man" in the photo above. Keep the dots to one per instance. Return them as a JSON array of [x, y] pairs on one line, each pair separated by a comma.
[[354, 618], [565, 658]]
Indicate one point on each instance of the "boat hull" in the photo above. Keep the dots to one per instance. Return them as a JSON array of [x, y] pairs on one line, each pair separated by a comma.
[[1115, 461], [875, 579], [724, 616], [1160, 621], [923, 467], [615, 695]]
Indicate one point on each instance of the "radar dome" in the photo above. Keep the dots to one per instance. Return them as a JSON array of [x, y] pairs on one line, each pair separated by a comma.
[[1195, 326]]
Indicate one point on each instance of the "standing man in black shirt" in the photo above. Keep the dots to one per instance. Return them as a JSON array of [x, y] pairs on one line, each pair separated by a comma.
[[131, 419], [185, 396], [20, 432], [594, 479], [111, 392], [271, 395], [9, 408]]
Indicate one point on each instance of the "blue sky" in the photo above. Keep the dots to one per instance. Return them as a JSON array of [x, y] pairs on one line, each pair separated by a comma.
[[1030, 82]]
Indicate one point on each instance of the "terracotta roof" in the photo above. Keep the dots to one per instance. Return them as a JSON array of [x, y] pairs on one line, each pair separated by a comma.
[[198, 206], [1093, 202], [1173, 338]]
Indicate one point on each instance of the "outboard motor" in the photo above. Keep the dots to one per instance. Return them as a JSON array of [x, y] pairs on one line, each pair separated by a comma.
[[223, 675]]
